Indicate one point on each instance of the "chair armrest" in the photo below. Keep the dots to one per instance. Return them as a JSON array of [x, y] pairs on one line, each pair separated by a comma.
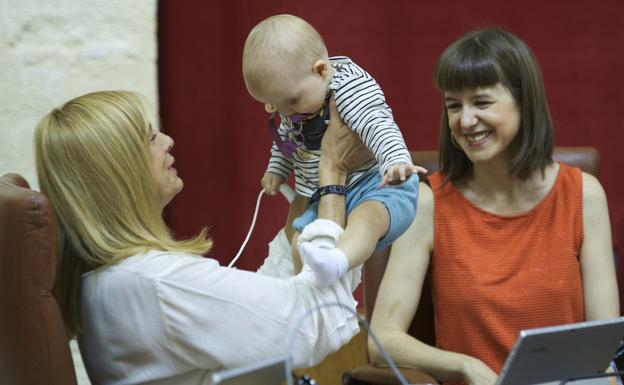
[[375, 375]]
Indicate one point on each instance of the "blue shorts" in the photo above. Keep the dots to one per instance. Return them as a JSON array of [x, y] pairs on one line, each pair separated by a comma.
[[399, 200]]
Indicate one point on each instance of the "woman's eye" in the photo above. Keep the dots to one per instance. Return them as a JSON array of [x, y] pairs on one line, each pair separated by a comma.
[[453, 106], [152, 138], [483, 103]]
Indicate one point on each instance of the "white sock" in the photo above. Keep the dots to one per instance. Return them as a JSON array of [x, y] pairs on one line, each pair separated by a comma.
[[327, 264], [323, 242], [322, 232]]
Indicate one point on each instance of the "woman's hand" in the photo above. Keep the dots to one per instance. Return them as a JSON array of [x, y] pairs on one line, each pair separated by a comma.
[[476, 372], [341, 149]]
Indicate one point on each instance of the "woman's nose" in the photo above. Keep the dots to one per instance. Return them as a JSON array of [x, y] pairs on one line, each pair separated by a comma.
[[468, 117], [170, 142]]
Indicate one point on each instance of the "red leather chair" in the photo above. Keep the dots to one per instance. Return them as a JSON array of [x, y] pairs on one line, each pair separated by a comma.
[[34, 348], [422, 326]]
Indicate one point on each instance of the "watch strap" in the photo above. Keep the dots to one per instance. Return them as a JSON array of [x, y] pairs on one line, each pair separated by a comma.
[[329, 189]]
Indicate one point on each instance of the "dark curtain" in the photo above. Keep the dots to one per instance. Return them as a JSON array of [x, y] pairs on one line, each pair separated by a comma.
[[220, 131]]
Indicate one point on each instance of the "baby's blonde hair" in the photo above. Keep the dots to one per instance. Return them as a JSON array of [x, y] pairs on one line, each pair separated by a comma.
[[94, 164], [281, 44]]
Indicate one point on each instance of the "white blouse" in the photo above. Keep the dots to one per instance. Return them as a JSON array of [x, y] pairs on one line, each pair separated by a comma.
[[174, 318]]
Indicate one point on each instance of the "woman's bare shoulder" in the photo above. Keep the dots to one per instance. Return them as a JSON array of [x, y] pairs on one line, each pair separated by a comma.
[[425, 197], [592, 189], [420, 231]]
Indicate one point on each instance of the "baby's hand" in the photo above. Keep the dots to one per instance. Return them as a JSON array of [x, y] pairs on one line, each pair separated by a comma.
[[271, 182], [398, 173]]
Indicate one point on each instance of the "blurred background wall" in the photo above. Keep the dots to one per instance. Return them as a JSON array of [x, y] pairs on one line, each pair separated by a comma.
[[51, 51]]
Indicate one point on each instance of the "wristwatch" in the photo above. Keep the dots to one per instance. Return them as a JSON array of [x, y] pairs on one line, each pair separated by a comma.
[[329, 189]]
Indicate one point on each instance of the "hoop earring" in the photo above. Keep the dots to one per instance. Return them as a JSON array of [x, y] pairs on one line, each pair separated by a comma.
[[454, 141]]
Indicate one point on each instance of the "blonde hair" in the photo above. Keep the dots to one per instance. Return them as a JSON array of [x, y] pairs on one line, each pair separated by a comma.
[[281, 44], [94, 163]]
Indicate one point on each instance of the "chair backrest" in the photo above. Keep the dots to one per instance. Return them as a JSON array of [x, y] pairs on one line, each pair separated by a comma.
[[422, 327], [34, 348]]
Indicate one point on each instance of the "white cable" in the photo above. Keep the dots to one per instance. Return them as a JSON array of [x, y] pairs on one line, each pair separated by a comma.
[[287, 192], [288, 367], [253, 223]]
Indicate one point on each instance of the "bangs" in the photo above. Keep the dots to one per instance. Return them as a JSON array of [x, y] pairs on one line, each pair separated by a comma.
[[467, 67]]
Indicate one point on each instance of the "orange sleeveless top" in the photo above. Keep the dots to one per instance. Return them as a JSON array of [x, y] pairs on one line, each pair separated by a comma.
[[493, 275]]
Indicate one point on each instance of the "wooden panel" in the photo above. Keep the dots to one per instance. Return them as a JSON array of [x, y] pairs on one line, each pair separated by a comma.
[[351, 355]]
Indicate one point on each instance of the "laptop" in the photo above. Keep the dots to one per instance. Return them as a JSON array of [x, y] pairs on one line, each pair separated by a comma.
[[267, 372], [552, 354]]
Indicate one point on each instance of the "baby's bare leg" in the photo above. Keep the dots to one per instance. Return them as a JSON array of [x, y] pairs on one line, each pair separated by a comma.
[[297, 207], [365, 226]]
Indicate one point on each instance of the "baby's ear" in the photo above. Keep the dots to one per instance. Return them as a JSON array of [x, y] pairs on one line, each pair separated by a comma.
[[321, 68]]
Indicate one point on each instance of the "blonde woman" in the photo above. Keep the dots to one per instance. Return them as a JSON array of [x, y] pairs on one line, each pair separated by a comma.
[[146, 307]]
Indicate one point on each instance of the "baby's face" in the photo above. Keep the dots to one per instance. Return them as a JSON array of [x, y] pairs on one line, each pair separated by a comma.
[[290, 95]]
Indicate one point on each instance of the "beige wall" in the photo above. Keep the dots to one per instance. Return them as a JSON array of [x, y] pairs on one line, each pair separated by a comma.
[[51, 51]]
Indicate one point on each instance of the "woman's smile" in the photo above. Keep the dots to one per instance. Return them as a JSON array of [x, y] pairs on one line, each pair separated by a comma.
[[477, 138]]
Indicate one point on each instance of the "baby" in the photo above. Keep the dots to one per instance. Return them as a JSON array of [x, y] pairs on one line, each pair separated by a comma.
[[286, 67]]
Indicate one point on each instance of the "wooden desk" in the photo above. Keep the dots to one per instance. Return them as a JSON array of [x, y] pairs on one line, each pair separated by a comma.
[[351, 355]]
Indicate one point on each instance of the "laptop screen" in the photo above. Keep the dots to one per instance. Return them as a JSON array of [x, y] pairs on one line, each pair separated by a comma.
[[562, 352]]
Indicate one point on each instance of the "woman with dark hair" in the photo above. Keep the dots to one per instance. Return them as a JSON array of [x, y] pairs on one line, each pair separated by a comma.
[[513, 240]]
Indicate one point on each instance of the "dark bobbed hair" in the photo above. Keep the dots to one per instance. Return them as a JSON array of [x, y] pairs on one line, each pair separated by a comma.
[[484, 58]]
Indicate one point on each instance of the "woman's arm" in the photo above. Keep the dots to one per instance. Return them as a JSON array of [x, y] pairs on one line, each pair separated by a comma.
[[397, 301], [597, 265], [214, 316], [341, 151]]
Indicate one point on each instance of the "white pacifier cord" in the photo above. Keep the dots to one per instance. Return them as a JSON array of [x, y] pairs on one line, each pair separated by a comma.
[[288, 193]]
